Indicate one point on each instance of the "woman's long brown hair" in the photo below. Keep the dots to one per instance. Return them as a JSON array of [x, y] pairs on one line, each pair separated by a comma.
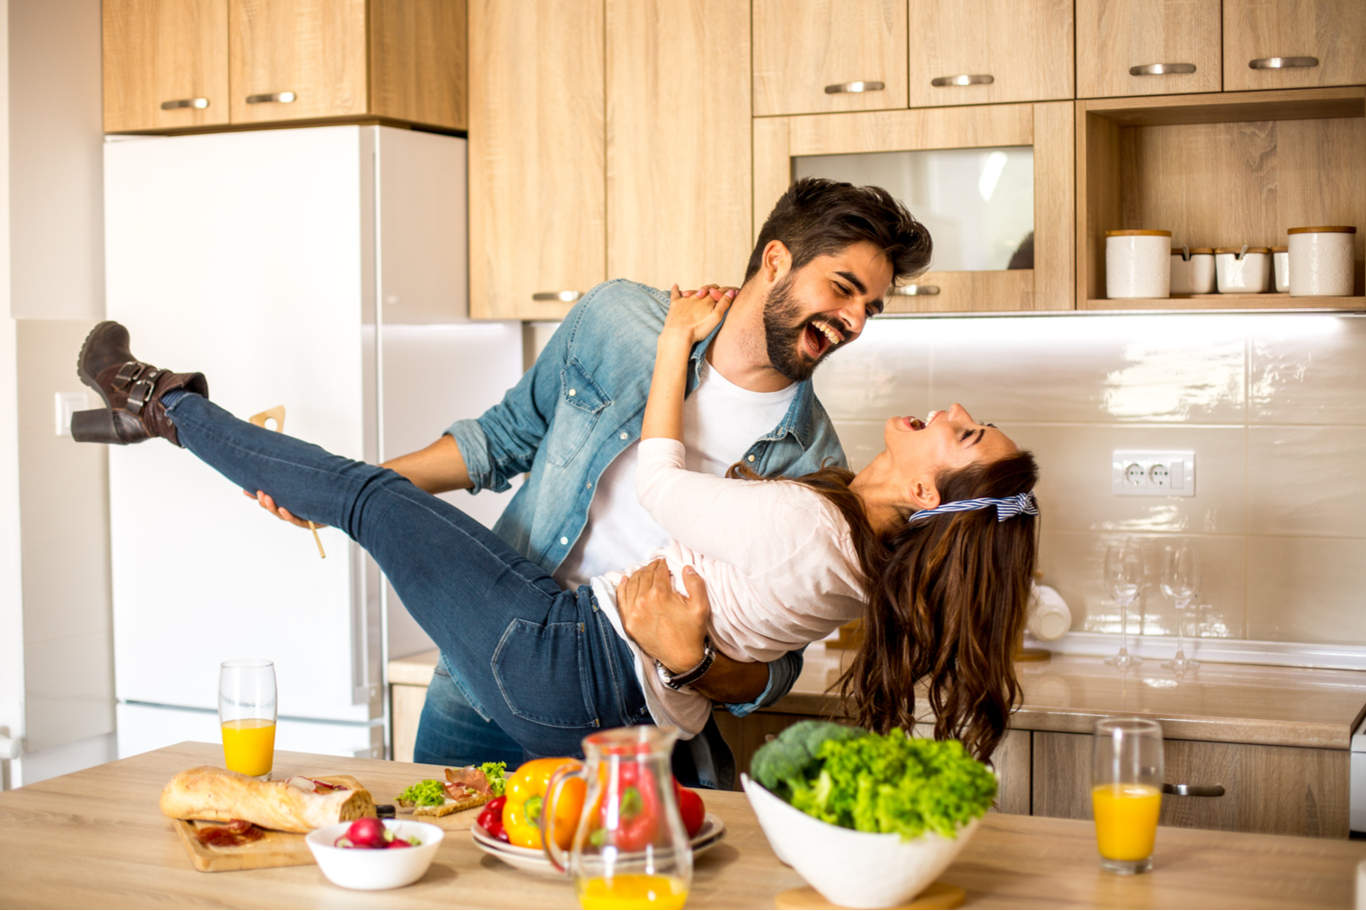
[[947, 602]]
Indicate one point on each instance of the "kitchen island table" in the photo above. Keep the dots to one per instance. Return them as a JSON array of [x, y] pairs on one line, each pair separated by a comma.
[[97, 838]]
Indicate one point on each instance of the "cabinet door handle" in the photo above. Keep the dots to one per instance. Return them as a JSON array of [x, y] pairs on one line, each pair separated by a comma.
[[1194, 790], [196, 103], [1161, 69], [567, 297], [281, 97], [914, 291], [940, 82], [854, 87], [1281, 63]]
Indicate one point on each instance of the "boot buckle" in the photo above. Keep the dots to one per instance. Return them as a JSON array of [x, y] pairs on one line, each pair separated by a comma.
[[141, 392]]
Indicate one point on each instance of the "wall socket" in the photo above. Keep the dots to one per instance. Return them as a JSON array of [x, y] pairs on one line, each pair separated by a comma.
[[1153, 472], [67, 404]]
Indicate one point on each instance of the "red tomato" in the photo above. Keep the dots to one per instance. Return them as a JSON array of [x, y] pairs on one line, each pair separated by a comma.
[[690, 807]]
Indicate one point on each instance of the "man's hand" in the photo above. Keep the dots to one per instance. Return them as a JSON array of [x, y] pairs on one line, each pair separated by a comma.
[[666, 625], [268, 504]]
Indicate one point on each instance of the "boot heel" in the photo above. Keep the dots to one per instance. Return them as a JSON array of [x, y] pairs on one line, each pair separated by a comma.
[[96, 426]]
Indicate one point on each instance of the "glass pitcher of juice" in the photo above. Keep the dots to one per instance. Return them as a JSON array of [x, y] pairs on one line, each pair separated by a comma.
[[630, 849]]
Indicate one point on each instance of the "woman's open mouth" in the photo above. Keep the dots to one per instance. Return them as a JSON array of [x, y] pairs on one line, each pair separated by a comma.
[[913, 423]]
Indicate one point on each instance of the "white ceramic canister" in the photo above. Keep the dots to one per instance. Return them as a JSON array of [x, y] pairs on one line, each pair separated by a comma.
[[1137, 263], [1280, 268], [1242, 270], [1321, 261], [1192, 270]]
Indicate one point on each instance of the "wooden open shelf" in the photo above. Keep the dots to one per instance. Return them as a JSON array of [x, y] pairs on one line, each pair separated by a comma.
[[1219, 170]]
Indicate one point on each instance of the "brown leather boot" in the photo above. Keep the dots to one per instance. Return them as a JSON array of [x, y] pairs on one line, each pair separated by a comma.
[[131, 390]]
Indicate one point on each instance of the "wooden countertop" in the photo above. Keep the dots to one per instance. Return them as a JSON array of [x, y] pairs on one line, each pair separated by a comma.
[[97, 838], [1225, 703]]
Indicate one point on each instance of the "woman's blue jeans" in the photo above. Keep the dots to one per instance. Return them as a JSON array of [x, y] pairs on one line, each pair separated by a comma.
[[544, 664]]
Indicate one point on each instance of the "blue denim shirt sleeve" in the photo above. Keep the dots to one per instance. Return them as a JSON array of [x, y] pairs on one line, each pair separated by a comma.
[[782, 674], [502, 442]]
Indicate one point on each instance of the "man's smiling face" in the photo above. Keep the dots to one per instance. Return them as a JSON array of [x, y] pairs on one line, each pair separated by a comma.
[[822, 306]]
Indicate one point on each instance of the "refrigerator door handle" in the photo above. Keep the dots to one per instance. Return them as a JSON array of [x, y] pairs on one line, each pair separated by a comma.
[[365, 629]]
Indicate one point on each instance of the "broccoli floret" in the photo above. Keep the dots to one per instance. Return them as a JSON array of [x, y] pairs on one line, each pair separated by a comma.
[[789, 760]]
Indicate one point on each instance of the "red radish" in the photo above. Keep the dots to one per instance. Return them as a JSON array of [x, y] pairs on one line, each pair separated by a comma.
[[399, 843], [367, 832]]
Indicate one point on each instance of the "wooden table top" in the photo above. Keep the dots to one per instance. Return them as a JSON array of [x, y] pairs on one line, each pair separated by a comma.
[[97, 838]]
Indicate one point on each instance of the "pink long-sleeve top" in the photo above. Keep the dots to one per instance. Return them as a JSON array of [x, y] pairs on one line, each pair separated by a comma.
[[776, 556]]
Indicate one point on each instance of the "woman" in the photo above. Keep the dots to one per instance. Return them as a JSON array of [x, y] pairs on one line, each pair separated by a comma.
[[553, 666]]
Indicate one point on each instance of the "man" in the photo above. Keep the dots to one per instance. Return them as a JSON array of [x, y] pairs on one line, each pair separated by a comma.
[[824, 261]]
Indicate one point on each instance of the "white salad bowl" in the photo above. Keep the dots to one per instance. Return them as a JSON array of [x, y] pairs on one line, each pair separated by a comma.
[[851, 868], [375, 868]]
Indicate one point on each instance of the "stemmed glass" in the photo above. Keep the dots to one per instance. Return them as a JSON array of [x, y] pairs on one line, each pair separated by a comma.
[[1180, 581], [1123, 580]]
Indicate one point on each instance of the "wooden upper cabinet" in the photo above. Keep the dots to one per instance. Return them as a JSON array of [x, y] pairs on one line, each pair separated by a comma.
[[165, 64], [1148, 47], [810, 56], [678, 211], [1317, 43], [537, 134], [983, 51], [271, 61], [293, 59]]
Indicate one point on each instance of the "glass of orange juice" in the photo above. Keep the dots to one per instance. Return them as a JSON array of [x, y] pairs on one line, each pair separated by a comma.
[[1126, 791], [246, 713]]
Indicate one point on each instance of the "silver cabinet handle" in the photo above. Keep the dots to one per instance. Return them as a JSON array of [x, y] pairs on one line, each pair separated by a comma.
[[854, 87], [567, 297], [281, 97], [198, 104], [1281, 63], [940, 82], [1194, 790], [1161, 69], [914, 291]]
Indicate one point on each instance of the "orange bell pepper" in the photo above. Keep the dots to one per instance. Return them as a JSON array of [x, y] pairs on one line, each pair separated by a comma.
[[526, 801]]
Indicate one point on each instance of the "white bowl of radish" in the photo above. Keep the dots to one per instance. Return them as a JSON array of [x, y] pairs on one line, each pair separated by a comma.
[[361, 854]]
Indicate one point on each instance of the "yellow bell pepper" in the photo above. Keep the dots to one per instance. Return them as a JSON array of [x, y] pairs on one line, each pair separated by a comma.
[[526, 801]]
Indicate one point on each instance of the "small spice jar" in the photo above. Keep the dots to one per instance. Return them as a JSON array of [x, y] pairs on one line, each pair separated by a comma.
[[1137, 263], [1321, 261], [1242, 270], [1192, 270], [1280, 268]]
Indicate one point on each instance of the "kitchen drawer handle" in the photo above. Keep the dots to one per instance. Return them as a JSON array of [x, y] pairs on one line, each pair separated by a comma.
[[854, 87], [940, 82], [198, 104], [281, 97], [914, 291], [1281, 63], [1161, 69], [567, 297], [1194, 790]]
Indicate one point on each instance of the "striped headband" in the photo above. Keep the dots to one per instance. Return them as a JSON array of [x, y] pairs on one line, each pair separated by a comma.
[[1005, 506]]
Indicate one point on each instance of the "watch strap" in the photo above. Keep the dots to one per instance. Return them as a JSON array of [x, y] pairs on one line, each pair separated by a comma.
[[692, 675]]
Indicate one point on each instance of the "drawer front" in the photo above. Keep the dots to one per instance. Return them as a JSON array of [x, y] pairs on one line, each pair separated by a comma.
[[1268, 789]]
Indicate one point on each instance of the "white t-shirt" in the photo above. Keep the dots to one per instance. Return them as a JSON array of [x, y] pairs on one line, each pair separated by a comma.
[[721, 421]]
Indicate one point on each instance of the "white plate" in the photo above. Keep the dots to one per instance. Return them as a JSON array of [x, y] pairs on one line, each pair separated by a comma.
[[533, 861]]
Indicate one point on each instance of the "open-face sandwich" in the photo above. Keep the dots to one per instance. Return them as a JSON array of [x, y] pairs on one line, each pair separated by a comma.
[[465, 787]]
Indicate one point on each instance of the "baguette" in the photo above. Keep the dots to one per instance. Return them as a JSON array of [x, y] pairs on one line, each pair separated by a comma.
[[218, 795]]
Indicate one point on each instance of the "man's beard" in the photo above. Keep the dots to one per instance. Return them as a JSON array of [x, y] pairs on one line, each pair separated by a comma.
[[784, 328]]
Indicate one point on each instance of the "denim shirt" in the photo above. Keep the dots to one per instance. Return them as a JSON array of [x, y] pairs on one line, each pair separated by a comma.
[[582, 403]]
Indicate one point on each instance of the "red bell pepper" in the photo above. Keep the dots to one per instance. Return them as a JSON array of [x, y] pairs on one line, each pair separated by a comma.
[[637, 809]]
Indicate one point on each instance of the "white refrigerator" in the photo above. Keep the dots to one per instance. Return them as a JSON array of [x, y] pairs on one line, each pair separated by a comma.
[[323, 269]]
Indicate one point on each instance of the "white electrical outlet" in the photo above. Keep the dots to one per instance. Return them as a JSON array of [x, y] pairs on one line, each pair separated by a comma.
[[67, 404], [1153, 472]]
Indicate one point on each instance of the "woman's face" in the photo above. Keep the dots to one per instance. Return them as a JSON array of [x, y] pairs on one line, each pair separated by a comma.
[[944, 441]]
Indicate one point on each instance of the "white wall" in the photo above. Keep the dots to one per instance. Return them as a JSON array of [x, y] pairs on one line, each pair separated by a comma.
[[11, 600]]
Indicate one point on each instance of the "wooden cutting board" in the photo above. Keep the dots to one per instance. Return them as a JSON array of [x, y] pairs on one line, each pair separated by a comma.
[[277, 849]]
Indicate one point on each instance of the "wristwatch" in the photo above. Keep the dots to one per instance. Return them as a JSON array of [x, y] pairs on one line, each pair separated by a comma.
[[678, 681]]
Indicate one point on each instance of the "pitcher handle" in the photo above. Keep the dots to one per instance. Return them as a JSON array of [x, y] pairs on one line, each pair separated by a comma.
[[557, 855]]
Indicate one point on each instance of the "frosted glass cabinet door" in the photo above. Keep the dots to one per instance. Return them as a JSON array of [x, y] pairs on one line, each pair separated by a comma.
[[1147, 47], [989, 51]]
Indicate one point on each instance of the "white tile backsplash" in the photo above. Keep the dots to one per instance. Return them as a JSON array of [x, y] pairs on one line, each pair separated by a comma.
[[1274, 406]]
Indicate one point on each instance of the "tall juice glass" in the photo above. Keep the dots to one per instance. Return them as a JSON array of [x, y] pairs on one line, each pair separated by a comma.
[[1126, 792], [246, 713]]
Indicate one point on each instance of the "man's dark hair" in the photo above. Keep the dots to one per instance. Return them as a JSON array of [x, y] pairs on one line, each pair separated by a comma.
[[816, 217]]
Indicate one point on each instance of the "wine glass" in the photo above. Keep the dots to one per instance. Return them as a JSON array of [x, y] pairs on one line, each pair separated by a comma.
[[1180, 582], [1123, 580]]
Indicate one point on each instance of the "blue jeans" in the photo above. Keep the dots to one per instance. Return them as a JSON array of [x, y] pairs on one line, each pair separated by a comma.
[[544, 665]]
